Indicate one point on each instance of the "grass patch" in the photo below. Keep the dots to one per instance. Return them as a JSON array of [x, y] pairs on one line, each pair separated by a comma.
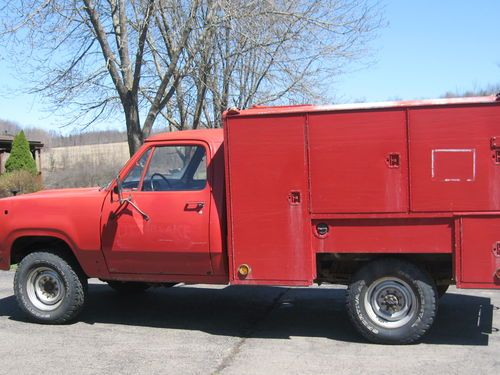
[[13, 267]]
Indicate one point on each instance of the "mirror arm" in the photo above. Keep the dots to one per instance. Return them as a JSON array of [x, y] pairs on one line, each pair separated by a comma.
[[129, 201], [118, 190]]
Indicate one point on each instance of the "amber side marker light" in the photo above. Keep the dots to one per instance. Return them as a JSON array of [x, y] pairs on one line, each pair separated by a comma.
[[244, 270]]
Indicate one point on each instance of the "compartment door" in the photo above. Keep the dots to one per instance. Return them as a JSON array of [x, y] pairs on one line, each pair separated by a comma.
[[455, 159], [267, 173], [358, 162], [480, 254]]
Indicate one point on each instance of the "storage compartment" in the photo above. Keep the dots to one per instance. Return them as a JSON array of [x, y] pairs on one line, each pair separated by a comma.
[[268, 197], [453, 157], [358, 162], [417, 236], [480, 253]]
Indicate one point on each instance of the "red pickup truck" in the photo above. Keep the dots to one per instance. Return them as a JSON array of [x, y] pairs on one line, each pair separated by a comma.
[[396, 200]]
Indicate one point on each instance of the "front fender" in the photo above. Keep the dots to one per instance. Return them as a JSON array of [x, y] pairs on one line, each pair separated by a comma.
[[91, 261], [71, 215]]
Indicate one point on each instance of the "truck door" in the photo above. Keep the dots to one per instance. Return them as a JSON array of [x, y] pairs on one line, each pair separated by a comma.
[[168, 182]]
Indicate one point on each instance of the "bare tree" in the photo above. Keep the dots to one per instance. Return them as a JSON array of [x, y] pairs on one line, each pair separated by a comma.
[[185, 61]]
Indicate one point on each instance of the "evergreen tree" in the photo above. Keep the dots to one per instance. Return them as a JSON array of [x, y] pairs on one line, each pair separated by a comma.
[[20, 156]]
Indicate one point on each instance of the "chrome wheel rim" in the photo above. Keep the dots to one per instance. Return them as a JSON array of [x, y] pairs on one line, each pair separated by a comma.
[[390, 302], [45, 288]]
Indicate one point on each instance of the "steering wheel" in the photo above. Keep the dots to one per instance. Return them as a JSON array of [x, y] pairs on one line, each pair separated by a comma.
[[162, 176]]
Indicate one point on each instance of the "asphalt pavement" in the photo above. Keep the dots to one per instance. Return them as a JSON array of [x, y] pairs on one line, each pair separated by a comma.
[[241, 330]]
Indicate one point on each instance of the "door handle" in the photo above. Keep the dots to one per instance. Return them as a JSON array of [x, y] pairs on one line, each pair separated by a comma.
[[194, 206]]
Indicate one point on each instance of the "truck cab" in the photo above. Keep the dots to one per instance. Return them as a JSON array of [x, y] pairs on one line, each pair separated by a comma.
[[169, 220]]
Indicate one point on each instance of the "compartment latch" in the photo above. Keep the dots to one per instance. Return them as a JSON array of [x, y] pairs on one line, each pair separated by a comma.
[[495, 149], [294, 197], [393, 160]]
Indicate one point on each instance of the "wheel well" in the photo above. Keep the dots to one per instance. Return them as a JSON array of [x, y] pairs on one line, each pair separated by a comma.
[[338, 268], [30, 244]]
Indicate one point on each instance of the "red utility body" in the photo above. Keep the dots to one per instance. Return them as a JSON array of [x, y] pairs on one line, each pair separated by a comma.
[[419, 177]]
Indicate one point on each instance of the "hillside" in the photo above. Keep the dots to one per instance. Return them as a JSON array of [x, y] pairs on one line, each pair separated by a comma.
[[85, 165]]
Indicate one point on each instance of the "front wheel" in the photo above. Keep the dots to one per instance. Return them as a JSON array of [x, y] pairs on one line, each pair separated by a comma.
[[48, 289], [391, 301]]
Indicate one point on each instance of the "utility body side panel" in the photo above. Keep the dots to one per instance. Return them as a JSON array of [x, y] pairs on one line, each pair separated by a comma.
[[418, 236], [358, 162], [266, 166], [479, 253], [396, 178], [455, 158]]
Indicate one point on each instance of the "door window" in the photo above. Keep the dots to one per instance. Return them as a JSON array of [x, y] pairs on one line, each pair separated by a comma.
[[175, 168]]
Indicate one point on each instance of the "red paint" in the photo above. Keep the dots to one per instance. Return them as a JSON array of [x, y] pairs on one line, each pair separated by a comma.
[[453, 168], [480, 255], [268, 203], [418, 236], [343, 144], [176, 238], [419, 177]]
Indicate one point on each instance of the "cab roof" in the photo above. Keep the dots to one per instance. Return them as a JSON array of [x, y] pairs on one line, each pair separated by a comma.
[[307, 108], [208, 135]]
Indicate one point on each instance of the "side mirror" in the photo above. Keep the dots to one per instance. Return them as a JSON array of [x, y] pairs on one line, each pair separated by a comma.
[[118, 188]]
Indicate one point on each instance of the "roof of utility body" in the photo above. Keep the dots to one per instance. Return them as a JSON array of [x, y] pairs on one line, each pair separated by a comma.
[[216, 135], [268, 110], [209, 135]]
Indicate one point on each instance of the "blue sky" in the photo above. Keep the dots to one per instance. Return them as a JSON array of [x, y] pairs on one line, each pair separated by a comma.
[[427, 49]]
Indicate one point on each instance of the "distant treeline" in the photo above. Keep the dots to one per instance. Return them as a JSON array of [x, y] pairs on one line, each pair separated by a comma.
[[485, 91], [55, 139]]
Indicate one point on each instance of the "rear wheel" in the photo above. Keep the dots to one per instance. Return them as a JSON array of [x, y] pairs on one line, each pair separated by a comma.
[[128, 287], [49, 289], [391, 301]]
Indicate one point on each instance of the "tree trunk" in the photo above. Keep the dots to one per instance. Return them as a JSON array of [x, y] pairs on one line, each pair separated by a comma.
[[135, 136]]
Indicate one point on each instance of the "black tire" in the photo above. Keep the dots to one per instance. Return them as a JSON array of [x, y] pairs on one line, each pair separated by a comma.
[[391, 301], [441, 290], [49, 289], [128, 287]]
